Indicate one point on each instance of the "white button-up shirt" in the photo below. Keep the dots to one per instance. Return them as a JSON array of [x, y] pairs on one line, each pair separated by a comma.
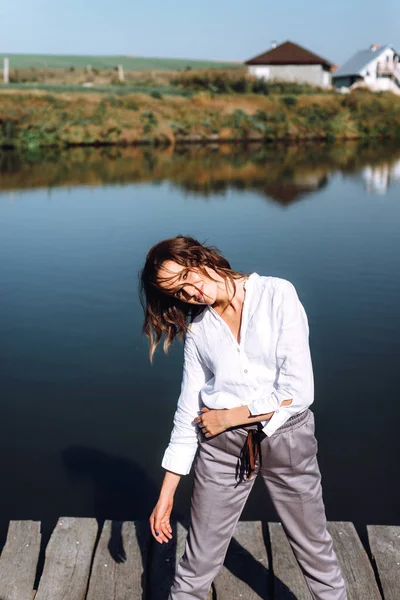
[[271, 363]]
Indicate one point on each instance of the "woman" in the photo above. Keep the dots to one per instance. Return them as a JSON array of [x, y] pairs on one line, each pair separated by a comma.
[[243, 408]]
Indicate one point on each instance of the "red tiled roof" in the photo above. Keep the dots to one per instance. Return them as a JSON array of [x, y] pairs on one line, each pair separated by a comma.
[[288, 53]]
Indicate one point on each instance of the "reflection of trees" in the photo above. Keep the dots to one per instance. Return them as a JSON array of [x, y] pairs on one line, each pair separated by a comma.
[[282, 173]]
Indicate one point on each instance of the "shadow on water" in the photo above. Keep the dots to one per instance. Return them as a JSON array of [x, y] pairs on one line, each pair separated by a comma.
[[281, 173], [122, 490]]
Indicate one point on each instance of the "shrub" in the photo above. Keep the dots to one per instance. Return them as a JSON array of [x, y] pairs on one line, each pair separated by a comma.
[[131, 104], [261, 115], [180, 127], [240, 85], [51, 100], [149, 121], [289, 100], [277, 86], [260, 86], [114, 101], [278, 117], [14, 76], [316, 112], [115, 80], [156, 94], [216, 81]]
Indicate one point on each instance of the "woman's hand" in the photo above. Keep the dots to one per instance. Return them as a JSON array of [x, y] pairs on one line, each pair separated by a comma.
[[213, 422], [160, 519]]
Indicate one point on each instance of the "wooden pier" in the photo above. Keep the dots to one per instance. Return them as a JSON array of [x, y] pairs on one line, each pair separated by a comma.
[[122, 562]]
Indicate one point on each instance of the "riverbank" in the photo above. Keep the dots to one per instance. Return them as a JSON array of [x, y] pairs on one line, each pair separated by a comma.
[[39, 119]]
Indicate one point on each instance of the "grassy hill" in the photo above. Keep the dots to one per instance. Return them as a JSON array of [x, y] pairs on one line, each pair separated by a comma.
[[129, 63]]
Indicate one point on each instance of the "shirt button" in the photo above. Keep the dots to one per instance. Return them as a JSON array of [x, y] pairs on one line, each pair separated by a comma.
[[255, 389], [246, 371], [277, 410], [238, 349]]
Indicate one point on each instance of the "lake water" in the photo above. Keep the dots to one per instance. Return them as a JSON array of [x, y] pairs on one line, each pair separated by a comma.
[[84, 417]]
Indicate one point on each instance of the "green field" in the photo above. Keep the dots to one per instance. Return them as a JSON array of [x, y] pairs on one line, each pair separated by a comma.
[[119, 90], [129, 63]]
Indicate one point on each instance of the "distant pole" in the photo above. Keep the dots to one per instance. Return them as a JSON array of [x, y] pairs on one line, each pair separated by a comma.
[[6, 72], [121, 75]]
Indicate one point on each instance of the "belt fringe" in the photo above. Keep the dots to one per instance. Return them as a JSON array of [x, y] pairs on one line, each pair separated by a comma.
[[251, 450]]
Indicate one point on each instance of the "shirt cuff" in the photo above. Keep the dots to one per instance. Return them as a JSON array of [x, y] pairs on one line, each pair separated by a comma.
[[279, 418], [179, 460], [262, 406]]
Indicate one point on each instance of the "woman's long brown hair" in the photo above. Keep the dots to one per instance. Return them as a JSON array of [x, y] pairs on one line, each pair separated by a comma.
[[164, 313]]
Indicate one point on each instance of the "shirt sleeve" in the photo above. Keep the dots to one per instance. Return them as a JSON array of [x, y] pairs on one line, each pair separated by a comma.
[[295, 374], [182, 447]]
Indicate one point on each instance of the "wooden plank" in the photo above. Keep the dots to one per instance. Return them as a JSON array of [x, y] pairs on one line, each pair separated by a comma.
[[19, 559], [68, 559], [119, 561], [245, 575], [356, 567], [289, 582], [384, 541]]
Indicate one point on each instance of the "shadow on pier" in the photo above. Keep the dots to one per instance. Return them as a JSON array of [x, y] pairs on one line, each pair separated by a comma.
[[123, 491]]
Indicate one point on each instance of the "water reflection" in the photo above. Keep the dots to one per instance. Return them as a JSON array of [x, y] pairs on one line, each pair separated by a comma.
[[283, 174], [378, 178]]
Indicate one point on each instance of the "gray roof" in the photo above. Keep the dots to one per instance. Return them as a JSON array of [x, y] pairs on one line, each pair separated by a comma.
[[359, 61]]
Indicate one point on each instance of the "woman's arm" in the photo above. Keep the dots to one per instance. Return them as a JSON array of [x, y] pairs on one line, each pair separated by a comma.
[[179, 455], [213, 422], [160, 524], [182, 447]]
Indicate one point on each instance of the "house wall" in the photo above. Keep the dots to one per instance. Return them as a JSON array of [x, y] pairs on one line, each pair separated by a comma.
[[375, 75], [374, 69], [313, 74]]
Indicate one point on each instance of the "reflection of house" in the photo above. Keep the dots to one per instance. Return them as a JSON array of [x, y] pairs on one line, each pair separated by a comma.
[[288, 191], [283, 190], [378, 178], [377, 68], [291, 62]]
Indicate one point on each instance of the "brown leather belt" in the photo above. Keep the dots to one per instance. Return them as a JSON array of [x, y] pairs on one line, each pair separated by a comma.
[[250, 452]]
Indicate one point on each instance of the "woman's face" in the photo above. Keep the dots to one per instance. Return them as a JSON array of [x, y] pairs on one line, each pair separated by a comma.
[[188, 284]]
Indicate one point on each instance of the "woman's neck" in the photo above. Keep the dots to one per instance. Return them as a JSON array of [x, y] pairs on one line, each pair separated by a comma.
[[229, 297]]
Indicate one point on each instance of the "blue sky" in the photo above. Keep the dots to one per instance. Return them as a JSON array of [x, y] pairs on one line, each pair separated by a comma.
[[217, 29]]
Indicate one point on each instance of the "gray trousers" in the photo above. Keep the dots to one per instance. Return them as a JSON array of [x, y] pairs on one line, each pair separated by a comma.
[[290, 471]]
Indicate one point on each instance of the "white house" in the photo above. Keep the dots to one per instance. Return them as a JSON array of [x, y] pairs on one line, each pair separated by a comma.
[[291, 62], [377, 68]]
